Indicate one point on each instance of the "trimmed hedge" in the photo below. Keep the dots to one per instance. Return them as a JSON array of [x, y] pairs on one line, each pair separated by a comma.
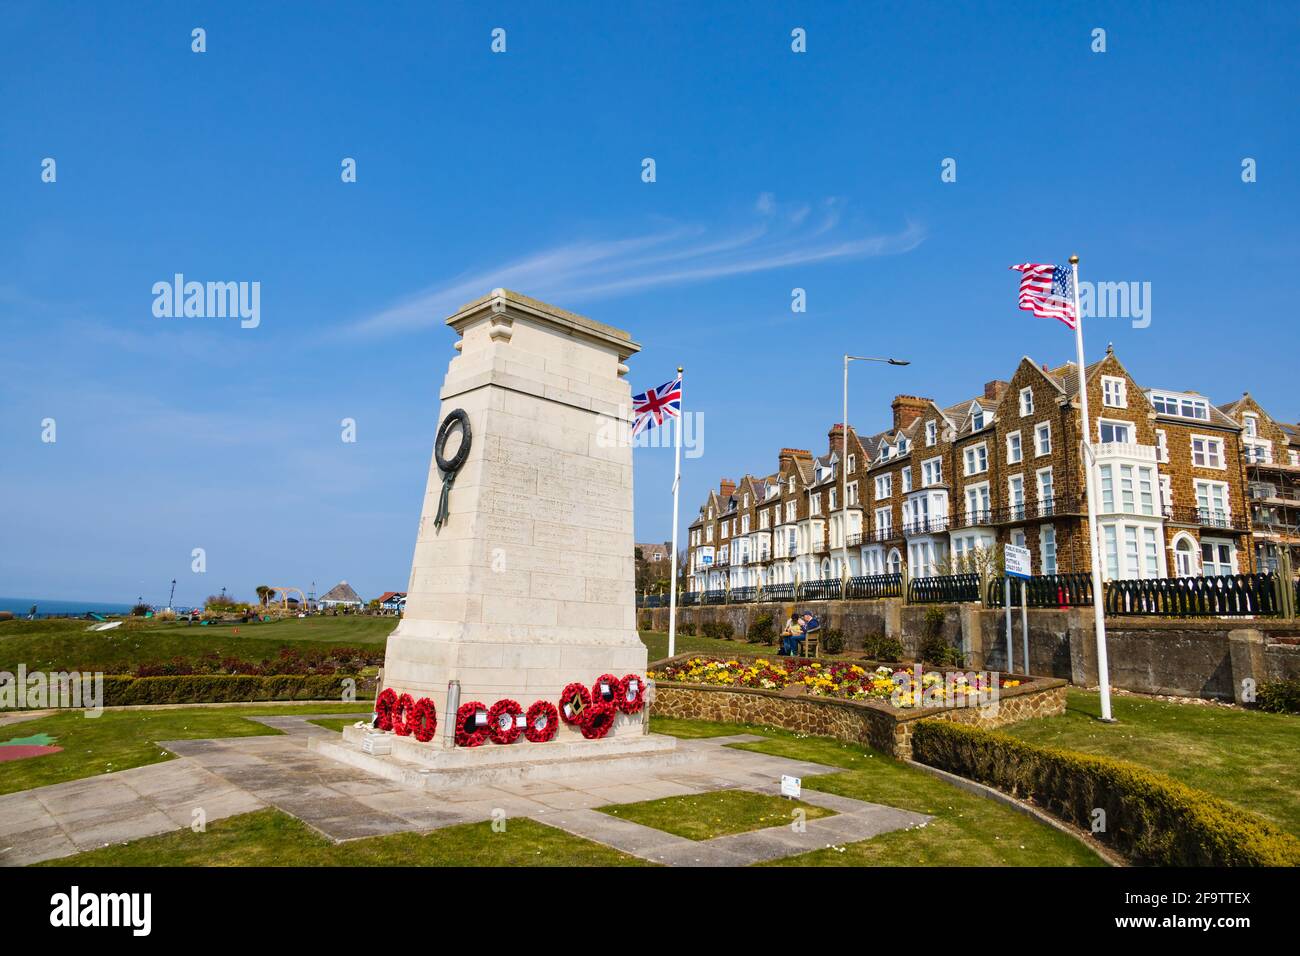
[[120, 690], [1151, 819]]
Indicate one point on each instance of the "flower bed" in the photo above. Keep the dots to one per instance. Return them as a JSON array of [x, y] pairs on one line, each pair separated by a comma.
[[843, 680]]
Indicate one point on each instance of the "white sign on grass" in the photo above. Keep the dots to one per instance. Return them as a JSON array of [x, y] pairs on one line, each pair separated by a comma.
[[790, 786], [1017, 561]]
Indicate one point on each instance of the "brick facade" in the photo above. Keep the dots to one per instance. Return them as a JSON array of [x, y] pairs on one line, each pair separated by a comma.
[[938, 490]]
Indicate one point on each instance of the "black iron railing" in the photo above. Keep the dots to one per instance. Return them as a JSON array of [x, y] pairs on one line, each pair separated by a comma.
[[743, 595], [944, 589], [689, 598], [926, 525], [715, 596], [1043, 590], [875, 586], [854, 540], [778, 592], [1205, 517], [827, 589], [1229, 594], [888, 533]]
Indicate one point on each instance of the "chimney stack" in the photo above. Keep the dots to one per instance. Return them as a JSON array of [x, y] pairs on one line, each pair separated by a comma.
[[995, 389], [726, 488], [835, 437], [907, 409]]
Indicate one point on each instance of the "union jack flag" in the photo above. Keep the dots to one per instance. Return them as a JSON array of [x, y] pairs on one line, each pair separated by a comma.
[[1047, 291], [655, 406]]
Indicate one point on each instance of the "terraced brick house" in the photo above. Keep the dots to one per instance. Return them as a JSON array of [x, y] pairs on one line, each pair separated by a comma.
[[1179, 482]]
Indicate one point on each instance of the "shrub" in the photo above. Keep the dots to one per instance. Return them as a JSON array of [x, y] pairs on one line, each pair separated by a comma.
[[832, 641], [718, 630], [686, 627], [1151, 819], [121, 690], [935, 648], [760, 630], [1279, 697], [140, 610]]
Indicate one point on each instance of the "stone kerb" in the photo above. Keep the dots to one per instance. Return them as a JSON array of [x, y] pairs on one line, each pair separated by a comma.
[[873, 723]]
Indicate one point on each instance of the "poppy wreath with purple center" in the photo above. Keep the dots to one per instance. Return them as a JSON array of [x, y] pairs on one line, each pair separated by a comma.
[[606, 688], [503, 721], [543, 721], [597, 719], [384, 705], [402, 711], [469, 732], [574, 701], [631, 694], [424, 720]]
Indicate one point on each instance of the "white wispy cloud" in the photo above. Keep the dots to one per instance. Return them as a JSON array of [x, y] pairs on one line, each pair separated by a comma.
[[777, 237]]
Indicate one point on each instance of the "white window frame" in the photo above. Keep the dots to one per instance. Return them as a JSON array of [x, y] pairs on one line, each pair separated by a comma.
[[932, 471], [1042, 439], [1114, 392], [1045, 533], [1113, 423], [1210, 441], [1026, 402], [906, 475], [1019, 449], [969, 453], [884, 487], [931, 432]]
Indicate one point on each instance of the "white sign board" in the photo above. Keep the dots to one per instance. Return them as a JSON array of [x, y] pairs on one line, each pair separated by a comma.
[[1017, 561], [791, 786]]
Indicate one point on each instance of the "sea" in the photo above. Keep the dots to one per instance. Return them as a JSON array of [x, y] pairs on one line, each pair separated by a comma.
[[46, 606]]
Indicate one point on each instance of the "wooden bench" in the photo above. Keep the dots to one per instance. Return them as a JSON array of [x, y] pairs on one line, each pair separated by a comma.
[[810, 643]]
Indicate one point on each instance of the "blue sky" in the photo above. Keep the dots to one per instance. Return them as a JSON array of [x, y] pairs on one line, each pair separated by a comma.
[[774, 171]]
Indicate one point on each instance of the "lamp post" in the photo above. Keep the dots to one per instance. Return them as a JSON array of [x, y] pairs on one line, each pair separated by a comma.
[[844, 454]]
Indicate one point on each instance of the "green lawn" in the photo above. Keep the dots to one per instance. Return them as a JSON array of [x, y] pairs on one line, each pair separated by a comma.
[[57, 645], [1244, 756], [707, 815], [122, 739], [335, 723], [272, 838], [968, 830]]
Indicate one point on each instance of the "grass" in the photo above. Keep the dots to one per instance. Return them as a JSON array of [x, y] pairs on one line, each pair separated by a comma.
[[122, 739], [708, 815], [967, 830], [1246, 757], [57, 645], [272, 838], [335, 724]]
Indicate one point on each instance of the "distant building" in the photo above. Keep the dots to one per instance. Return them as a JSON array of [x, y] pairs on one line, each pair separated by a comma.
[[392, 602], [341, 595]]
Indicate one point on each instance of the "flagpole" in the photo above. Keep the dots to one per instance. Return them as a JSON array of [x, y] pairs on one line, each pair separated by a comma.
[[1094, 548], [677, 481]]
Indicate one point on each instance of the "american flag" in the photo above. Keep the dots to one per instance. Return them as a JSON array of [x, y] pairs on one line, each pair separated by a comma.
[[1047, 291], [655, 406]]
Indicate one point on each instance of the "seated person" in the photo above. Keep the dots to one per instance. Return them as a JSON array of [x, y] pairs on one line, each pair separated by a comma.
[[791, 635]]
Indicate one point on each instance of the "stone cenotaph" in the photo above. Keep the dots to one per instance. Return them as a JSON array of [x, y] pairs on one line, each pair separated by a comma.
[[523, 575]]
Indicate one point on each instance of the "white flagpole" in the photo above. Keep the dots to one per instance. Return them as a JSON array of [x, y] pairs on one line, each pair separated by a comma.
[[677, 482], [1089, 465]]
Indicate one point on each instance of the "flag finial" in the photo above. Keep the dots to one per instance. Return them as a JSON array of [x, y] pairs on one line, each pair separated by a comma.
[[1074, 260]]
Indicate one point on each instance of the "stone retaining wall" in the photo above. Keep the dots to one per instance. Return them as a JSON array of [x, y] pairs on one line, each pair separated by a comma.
[[870, 723]]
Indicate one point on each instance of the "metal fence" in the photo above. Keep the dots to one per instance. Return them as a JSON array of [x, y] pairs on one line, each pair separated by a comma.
[[827, 589], [1229, 594], [778, 592], [944, 589], [1043, 590], [875, 586]]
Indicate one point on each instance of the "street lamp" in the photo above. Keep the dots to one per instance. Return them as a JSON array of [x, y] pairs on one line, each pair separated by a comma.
[[844, 456]]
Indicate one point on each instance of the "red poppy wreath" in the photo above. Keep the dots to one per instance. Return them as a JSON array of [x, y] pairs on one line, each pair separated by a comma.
[[471, 724], [606, 688], [384, 705], [597, 719], [631, 694], [424, 720], [402, 712], [574, 701], [542, 722], [505, 721]]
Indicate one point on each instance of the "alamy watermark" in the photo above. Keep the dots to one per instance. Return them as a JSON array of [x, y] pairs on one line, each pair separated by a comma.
[[38, 690], [209, 300], [1116, 300], [617, 433]]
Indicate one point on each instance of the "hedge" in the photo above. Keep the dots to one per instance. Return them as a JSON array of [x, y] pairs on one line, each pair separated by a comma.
[[1279, 697], [120, 690], [1151, 819]]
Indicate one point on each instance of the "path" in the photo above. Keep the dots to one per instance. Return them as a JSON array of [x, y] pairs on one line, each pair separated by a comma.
[[229, 776]]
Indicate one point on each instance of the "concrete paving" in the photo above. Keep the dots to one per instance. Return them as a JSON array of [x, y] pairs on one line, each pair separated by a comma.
[[230, 776]]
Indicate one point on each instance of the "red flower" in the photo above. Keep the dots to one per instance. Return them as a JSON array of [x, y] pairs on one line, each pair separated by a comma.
[[402, 714], [543, 720], [606, 689], [631, 694], [384, 705], [424, 720], [597, 719], [470, 731], [574, 701], [505, 721]]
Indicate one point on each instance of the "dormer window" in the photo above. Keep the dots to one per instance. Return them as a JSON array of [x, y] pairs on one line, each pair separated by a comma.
[[902, 446], [976, 418]]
